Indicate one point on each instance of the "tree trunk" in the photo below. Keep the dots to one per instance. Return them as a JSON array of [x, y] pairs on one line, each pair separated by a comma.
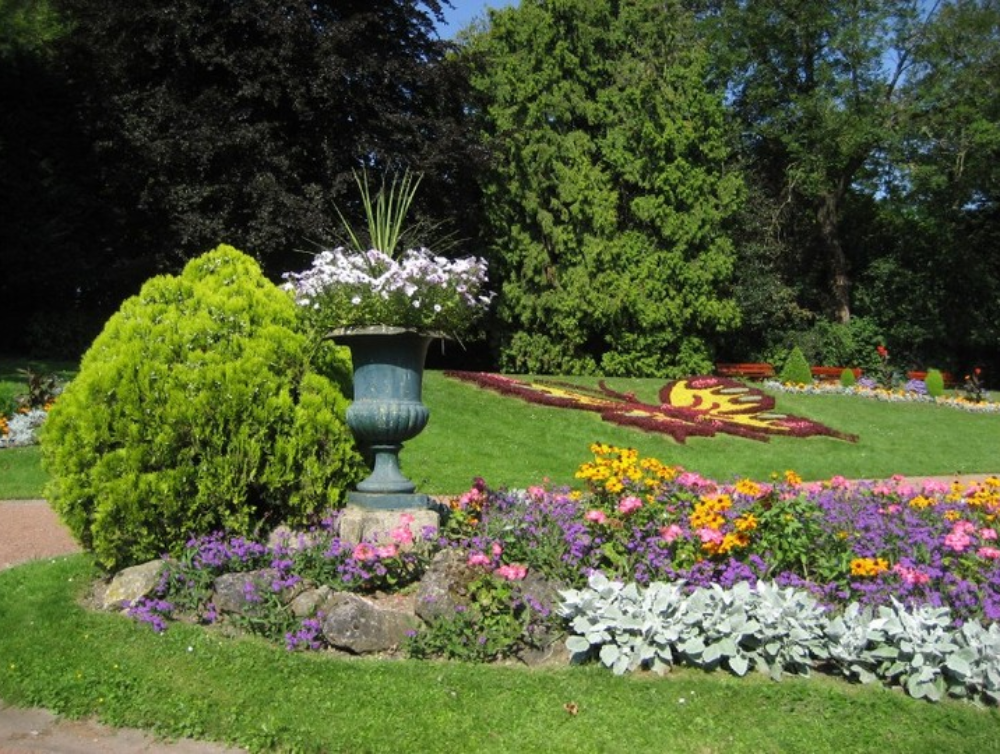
[[833, 252]]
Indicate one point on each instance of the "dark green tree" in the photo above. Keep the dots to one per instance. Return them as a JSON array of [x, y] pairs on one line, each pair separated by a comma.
[[242, 122], [607, 190], [815, 90]]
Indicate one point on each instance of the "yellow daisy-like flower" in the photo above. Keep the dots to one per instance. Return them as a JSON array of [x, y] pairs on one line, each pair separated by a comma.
[[868, 567], [747, 487], [951, 515], [921, 501], [745, 523], [614, 485], [792, 479]]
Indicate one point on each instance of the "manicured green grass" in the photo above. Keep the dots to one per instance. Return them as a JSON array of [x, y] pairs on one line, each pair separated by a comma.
[[474, 432], [510, 442], [21, 473], [191, 681]]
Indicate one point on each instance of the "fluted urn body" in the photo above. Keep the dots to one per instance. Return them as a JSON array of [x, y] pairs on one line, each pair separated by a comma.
[[387, 409]]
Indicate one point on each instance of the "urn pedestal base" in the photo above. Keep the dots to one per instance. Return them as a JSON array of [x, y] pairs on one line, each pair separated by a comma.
[[388, 500]]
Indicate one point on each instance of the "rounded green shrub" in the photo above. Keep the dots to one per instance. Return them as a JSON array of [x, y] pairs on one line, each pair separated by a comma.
[[934, 382], [796, 369], [847, 378], [197, 409]]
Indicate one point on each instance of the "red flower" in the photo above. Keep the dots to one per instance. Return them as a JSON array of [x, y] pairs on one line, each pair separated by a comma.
[[883, 351]]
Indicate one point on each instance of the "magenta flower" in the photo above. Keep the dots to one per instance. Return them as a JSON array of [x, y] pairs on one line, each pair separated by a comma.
[[512, 572], [402, 535], [478, 559], [629, 505], [988, 552], [387, 551], [595, 517], [496, 549], [708, 534], [988, 534], [670, 533], [364, 552]]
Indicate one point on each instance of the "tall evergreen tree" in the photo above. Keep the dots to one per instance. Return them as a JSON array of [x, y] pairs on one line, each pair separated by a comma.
[[815, 87], [607, 189]]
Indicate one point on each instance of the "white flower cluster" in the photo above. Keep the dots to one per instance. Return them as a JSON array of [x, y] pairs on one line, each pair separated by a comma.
[[383, 290], [21, 428]]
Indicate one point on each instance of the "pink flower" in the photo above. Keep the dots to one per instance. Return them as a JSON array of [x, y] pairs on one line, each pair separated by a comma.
[[988, 552], [496, 549], [957, 541], [963, 527], [595, 517], [708, 534], [405, 519], [839, 482], [536, 492], [910, 576], [478, 559], [988, 534], [629, 504], [512, 572], [402, 535], [387, 551], [670, 533], [364, 552]]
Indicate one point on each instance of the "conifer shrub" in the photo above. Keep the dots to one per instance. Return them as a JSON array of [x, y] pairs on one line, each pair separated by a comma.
[[934, 382], [197, 409], [796, 369], [847, 378]]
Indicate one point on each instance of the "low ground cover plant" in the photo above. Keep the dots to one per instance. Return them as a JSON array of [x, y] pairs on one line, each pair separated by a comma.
[[849, 574]]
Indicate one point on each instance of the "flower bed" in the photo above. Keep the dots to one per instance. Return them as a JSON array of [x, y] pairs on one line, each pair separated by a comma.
[[845, 559], [912, 392]]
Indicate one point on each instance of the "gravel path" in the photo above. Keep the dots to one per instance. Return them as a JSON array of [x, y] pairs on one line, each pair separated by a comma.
[[30, 529]]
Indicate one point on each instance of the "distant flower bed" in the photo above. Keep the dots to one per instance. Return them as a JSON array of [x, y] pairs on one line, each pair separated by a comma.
[[914, 391], [700, 406], [19, 429]]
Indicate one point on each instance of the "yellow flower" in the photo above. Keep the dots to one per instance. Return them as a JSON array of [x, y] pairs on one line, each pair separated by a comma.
[[614, 485], [921, 501], [792, 479], [868, 566], [748, 488], [745, 523]]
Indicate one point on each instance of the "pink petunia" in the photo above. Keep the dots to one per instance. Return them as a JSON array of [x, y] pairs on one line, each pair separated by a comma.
[[496, 549], [988, 552], [957, 541], [512, 572], [478, 559], [708, 534], [595, 517], [387, 551], [629, 505], [988, 534], [364, 552], [670, 533], [402, 535]]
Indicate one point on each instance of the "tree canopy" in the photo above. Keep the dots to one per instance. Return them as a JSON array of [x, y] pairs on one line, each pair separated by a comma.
[[607, 190]]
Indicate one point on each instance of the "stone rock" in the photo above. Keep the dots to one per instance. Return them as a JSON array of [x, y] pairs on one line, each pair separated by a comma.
[[132, 584], [552, 653], [374, 525], [358, 625], [309, 602], [444, 585], [241, 592]]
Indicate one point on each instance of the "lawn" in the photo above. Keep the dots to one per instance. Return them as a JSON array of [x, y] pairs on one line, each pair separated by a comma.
[[473, 432], [191, 681]]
